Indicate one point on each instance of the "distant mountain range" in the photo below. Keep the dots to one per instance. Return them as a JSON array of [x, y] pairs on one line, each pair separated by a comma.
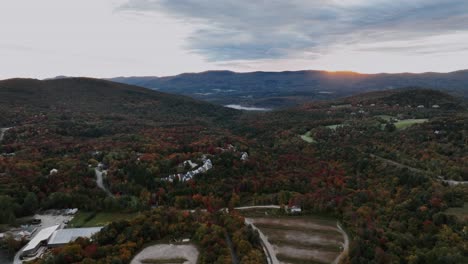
[[282, 89]]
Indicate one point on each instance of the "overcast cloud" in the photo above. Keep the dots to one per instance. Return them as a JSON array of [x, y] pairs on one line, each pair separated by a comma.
[[160, 37], [249, 30]]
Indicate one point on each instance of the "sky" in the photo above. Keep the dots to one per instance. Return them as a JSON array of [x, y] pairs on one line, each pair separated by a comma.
[[110, 38]]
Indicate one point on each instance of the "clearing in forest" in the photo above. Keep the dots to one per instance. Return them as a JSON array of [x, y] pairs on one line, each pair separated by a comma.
[[302, 239], [92, 219], [307, 137], [402, 124]]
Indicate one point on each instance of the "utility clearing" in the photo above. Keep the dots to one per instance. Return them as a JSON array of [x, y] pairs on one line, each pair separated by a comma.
[[302, 239]]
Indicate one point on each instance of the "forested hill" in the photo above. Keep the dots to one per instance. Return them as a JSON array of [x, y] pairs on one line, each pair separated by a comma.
[[23, 98], [404, 97], [280, 89]]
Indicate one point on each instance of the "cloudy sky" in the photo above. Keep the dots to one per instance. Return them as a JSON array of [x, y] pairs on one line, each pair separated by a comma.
[[108, 38]]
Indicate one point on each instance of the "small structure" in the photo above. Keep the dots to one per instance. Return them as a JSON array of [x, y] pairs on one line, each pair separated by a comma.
[[190, 163], [71, 211], [436, 106], [64, 236], [244, 156], [420, 106], [32, 248], [295, 210], [53, 172]]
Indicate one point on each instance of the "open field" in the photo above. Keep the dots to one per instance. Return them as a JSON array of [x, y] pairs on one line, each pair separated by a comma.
[[167, 253], [302, 239], [91, 219], [402, 124], [308, 138], [334, 127]]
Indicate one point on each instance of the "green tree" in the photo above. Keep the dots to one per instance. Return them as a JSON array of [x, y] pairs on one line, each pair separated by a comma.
[[30, 204]]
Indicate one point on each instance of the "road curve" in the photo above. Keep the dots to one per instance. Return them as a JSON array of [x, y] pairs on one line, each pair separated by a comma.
[[345, 244], [100, 181], [267, 247], [2, 132]]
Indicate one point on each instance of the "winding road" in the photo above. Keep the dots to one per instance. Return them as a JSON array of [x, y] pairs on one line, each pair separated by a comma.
[[267, 247], [2, 132], [100, 180], [345, 244], [416, 170]]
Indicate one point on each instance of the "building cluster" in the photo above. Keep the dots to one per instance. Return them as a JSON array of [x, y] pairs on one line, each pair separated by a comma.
[[53, 236], [207, 165]]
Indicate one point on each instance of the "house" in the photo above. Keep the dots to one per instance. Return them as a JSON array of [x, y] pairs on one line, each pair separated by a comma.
[[435, 106], [53, 172], [244, 156], [420, 106], [295, 209]]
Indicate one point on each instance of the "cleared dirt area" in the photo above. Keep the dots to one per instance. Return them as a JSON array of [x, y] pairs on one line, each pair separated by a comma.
[[167, 253], [302, 239]]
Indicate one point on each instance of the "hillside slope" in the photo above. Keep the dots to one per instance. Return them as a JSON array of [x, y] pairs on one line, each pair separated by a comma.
[[21, 99]]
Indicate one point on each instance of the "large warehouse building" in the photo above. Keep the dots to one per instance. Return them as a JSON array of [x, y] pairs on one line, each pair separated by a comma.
[[38, 241], [54, 237], [64, 236]]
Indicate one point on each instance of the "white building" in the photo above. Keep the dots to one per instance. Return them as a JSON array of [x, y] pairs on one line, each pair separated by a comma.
[[38, 241], [64, 236], [295, 210]]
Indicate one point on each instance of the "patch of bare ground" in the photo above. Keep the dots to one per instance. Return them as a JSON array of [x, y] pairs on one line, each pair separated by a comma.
[[167, 254], [298, 240]]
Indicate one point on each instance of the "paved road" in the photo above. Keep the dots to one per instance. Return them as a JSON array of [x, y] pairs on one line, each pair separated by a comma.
[[345, 244], [2, 132], [416, 170], [267, 247], [258, 207], [100, 181]]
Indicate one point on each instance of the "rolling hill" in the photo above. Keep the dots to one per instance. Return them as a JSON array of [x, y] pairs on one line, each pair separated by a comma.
[[22, 99]]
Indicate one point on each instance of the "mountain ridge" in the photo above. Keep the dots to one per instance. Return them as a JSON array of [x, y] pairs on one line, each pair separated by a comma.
[[290, 88]]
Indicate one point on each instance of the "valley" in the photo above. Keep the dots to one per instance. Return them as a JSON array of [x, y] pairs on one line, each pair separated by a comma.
[[154, 169], [279, 90]]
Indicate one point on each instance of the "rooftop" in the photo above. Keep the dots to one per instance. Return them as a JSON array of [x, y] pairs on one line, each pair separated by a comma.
[[44, 234], [64, 236]]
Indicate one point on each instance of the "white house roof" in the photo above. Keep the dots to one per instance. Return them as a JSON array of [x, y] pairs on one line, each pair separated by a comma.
[[44, 234], [64, 236]]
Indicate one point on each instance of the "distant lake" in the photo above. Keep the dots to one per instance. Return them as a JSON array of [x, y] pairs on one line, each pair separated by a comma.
[[240, 107]]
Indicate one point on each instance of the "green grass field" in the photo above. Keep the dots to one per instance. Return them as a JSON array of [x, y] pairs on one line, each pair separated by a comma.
[[91, 219], [403, 124], [334, 127], [308, 138]]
